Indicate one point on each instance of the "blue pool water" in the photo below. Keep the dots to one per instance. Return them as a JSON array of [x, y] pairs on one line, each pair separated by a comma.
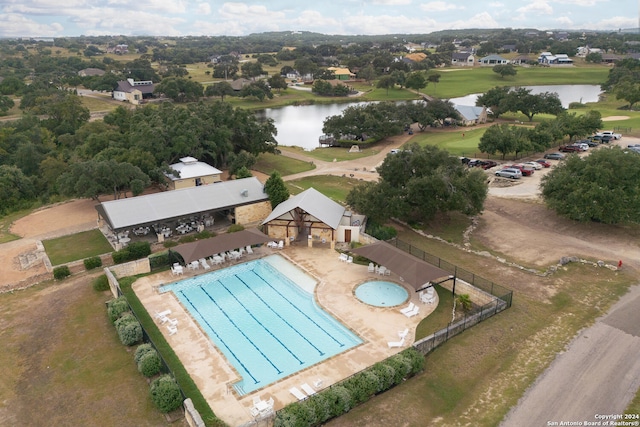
[[381, 293], [266, 325]]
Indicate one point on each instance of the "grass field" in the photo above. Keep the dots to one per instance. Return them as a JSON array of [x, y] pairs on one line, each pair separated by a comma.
[[76, 246], [267, 163], [334, 187]]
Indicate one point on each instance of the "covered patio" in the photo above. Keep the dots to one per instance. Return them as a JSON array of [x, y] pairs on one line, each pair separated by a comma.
[[414, 271], [194, 251]]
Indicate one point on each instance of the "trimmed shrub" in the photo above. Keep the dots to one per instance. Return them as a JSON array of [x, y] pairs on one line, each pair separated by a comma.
[[165, 393], [61, 272], [141, 350], [150, 364], [205, 234], [139, 250], [129, 329], [416, 359], [402, 367], [159, 260], [101, 283], [116, 307], [235, 227], [93, 262], [187, 239], [381, 232]]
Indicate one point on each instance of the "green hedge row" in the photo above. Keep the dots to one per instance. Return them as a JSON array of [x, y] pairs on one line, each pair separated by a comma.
[[341, 398], [93, 262], [135, 250], [128, 328]]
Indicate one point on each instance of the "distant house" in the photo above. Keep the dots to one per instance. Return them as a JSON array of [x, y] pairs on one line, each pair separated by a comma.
[[547, 58], [509, 48], [471, 115], [417, 56], [238, 84], [492, 60], [523, 60], [463, 59], [192, 173], [91, 72], [133, 91], [342, 73]]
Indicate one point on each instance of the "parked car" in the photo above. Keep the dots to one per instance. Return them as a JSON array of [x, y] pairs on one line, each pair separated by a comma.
[[570, 149], [601, 139], [582, 145], [609, 133], [591, 143], [543, 163], [534, 165], [523, 170], [485, 164], [509, 173], [554, 156]]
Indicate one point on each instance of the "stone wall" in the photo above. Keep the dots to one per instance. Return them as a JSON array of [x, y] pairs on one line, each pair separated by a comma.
[[478, 296], [132, 268], [192, 415], [253, 214]]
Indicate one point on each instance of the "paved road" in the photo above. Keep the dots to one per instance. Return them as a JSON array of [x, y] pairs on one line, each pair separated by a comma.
[[598, 374]]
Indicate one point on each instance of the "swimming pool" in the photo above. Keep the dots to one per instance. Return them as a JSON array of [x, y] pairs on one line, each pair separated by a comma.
[[266, 325], [381, 293]]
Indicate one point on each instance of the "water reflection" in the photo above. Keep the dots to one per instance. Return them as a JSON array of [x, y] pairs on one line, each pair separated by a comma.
[[301, 126]]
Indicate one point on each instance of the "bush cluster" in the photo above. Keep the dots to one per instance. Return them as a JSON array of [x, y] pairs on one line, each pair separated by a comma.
[[149, 364], [132, 252], [129, 329], [101, 283], [353, 391], [235, 228], [159, 260], [61, 272], [381, 232], [165, 393], [93, 262], [116, 307]]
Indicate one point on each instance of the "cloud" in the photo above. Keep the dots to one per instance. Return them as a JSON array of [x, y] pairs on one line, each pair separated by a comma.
[[392, 2], [311, 19], [16, 25], [203, 9], [537, 7], [439, 6]]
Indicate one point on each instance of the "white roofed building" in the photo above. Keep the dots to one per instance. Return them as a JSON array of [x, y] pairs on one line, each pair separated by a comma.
[[192, 173]]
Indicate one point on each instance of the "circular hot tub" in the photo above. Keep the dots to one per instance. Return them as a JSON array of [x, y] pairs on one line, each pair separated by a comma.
[[381, 293]]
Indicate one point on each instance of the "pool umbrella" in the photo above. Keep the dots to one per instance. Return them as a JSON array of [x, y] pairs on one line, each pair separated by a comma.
[[412, 270]]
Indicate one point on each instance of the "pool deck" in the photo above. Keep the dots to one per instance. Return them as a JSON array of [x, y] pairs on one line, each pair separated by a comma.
[[335, 293]]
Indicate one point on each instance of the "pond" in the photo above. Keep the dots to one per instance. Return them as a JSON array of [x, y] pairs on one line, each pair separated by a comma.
[[301, 126]]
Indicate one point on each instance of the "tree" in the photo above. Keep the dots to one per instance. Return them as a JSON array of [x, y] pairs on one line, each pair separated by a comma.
[[399, 77], [251, 70], [276, 189], [180, 89], [521, 100], [6, 104], [595, 57], [602, 187], [258, 89], [386, 82], [220, 89], [65, 112], [628, 90], [277, 82], [503, 139], [416, 81], [505, 70], [241, 160], [16, 189], [417, 183], [434, 78], [368, 73], [494, 99]]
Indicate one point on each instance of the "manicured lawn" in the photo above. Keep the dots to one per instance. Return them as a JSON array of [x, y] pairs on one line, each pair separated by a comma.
[[267, 163], [76, 246], [329, 154], [334, 187]]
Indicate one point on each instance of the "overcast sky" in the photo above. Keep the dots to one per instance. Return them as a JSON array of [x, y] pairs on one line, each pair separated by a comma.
[[59, 18]]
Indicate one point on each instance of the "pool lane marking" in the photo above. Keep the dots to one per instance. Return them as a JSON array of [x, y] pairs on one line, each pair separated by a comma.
[[281, 318], [255, 381], [240, 329], [300, 311]]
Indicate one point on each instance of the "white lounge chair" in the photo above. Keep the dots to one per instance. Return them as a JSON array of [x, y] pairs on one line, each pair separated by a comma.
[[343, 257], [254, 411], [297, 393], [172, 329], [307, 389], [403, 334], [161, 314], [281, 244], [317, 384], [382, 270], [395, 344], [177, 271], [408, 308], [413, 312], [249, 250], [350, 260], [371, 268], [204, 264]]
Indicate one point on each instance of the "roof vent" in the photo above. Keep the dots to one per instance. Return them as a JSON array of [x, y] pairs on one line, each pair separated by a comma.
[[244, 193]]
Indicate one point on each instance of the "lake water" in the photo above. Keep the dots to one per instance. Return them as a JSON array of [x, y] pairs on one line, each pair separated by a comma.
[[301, 126]]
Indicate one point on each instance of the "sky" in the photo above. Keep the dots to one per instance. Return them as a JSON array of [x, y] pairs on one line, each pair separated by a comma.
[[69, 18]]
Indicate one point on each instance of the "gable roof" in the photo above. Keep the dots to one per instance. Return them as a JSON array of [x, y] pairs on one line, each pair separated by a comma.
[[461, 56], [312, 202], [128, 87], [492, 58], [168, 205], [469, 112], [225, 242], [190, 167]]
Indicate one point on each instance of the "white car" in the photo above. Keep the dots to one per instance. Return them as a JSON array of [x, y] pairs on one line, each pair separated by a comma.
[[532, 165], [610, 133]]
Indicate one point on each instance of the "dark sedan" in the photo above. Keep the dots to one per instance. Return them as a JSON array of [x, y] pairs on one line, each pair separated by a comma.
[[554, 156]]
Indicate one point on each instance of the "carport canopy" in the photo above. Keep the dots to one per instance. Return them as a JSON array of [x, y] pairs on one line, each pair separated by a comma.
[[193, 251], [414, 271]]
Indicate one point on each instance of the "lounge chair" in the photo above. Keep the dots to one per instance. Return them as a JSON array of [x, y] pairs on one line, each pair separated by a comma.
[[413, 312], [343, 257], [172, 329], [161, 314], [249, 250], [297, 393], [204, 264], [382, 270], [395, 344], [403, 334], [254, 411], [307, 389], [371, 268], [317, 384], [408, 308], [281, 244], [350, 260], [256, 400]]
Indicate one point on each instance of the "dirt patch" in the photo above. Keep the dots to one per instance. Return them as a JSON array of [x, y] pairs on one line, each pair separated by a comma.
[[58, 220]]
